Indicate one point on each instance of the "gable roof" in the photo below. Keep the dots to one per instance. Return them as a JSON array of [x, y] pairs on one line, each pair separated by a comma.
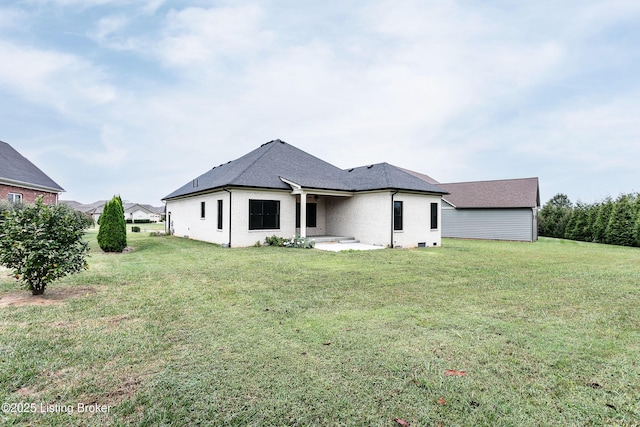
[[16, 169], [506, 193], [266, 166]]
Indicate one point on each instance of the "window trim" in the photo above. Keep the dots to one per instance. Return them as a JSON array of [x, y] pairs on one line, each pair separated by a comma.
[[263, 215]]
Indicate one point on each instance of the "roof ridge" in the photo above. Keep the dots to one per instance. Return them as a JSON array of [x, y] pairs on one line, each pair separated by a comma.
[[490, 180], [386, 173], [243, 171]]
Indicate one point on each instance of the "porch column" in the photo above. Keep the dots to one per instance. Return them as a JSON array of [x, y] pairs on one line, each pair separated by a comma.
[[303, 214]]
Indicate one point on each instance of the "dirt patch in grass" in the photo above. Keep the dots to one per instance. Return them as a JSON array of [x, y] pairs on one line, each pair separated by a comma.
[[51, 297]]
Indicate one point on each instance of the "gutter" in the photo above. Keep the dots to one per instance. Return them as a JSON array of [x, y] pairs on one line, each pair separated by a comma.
[[229, 215]]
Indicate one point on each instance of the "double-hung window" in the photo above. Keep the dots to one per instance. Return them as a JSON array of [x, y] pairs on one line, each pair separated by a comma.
[[15, 197], [264, 214]]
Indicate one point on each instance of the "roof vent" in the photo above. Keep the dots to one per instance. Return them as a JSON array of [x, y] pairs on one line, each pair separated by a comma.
[[369, 167], [195, 182], [351, 170]]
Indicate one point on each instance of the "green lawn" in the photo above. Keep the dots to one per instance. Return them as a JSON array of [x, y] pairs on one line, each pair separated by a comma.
[[178, 332]]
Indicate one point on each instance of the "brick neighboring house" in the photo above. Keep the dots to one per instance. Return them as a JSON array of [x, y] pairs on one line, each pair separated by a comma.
[[22, 181]]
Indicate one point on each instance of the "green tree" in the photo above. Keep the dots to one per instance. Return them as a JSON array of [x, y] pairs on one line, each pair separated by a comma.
[[554, 215], [112, 235], [601, 222], [592, 215], [577, 224], [620, 230], [636, 227], [42, 243]]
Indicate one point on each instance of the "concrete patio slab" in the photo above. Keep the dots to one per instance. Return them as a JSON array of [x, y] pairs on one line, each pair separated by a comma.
[[337, 247]]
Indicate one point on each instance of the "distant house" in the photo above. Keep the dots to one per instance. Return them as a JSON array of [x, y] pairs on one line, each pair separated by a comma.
[[133, 212], [278, 189], [22, 181], [498, 210], [136, 212]]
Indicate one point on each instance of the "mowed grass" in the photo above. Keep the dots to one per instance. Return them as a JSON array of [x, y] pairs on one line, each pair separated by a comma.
[[179, 332]]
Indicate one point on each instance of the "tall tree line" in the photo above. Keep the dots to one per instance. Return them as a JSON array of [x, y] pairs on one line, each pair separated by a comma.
[[614, 222]]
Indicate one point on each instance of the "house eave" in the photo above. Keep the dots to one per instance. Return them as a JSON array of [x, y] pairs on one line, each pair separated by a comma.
[[300, 189], [221, 188], [31, 186]]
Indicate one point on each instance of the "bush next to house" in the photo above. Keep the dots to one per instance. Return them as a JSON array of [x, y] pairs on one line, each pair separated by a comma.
[[42, 243], [112, 235], [296, 242]]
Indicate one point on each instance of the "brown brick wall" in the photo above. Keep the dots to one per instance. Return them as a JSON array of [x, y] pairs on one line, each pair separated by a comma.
[[28, 195]]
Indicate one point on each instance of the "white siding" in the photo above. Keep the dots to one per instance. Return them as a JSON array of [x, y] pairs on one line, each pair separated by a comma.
[[367, 217], [186, 220], [491, 224]]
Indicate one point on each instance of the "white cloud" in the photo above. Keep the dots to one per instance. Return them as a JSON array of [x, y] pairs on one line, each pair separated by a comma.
[[58, 80], [196, 36]]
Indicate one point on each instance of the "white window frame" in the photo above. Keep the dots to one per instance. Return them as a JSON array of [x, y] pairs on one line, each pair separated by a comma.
[[15, 197]]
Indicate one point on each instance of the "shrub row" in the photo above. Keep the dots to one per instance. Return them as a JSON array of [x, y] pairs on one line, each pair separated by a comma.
[[296, 242], [615, 222]]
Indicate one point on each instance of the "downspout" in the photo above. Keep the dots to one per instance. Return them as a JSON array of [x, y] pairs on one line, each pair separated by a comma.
[[392, 215], [229, 215]]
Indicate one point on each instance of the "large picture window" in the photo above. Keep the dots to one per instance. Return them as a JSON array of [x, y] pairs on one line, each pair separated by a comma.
[[397, 216], [312, 214], [264, 214], [434, 216]]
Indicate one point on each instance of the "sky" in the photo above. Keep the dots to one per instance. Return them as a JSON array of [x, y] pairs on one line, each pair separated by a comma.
[[138, 97]]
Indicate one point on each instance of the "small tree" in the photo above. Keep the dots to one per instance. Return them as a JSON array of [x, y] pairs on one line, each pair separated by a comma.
[[42, 243], [112, 235]]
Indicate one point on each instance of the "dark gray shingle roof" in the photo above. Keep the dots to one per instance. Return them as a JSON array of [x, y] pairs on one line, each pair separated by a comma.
[[15, 167], [383, 175], [265, 166]]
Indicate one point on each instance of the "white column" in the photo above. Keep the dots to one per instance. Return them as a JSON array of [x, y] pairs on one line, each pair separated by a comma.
[[303, 214]]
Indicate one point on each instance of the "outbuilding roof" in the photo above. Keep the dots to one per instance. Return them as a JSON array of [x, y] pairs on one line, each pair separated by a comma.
[[18, 170], [506, 193], [266, 166]]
